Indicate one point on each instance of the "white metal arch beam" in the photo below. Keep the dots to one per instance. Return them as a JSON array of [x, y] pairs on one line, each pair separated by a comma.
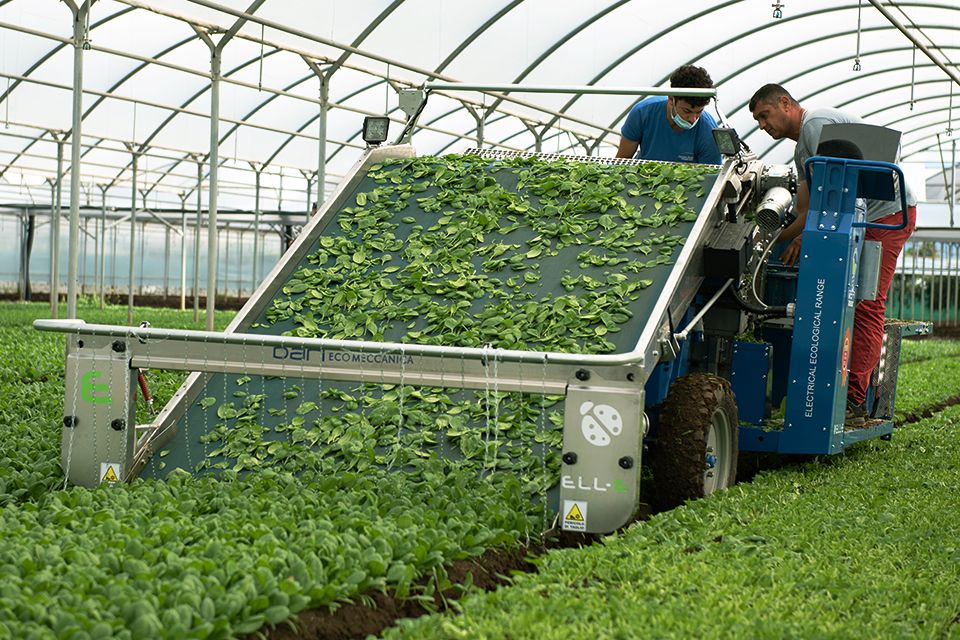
[[853, 100], [772, 25]]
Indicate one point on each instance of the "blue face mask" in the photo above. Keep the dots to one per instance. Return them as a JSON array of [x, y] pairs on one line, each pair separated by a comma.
[[683, 124]]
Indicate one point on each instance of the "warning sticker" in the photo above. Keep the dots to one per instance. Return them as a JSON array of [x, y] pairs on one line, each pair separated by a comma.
[[109, 472], [574, 515]]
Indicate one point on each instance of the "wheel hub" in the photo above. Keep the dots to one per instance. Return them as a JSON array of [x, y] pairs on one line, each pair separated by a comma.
[[719, 455]]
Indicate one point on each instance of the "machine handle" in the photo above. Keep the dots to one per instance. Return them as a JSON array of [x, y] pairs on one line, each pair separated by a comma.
[[876, 166]]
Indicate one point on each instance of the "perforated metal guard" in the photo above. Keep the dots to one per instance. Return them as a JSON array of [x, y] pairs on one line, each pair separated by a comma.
[[497, 154], [884, 376]]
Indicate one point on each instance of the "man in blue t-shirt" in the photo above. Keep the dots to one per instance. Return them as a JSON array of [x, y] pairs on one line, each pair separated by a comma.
[[674, 129]]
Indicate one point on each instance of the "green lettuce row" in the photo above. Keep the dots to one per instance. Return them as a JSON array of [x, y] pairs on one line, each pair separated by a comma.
[[923, 383], [929, 348], [205, 558], [32, 377], [861, 545]]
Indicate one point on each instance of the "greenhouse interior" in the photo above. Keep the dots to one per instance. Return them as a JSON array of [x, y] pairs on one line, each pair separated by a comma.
[[497, 319]]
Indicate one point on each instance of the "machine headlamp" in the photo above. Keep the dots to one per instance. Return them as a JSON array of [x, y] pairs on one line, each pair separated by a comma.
[[728, 142], [375, 129]]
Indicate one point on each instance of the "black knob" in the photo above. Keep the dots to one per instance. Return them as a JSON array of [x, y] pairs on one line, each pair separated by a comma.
[[631, 377], [119, 346], [569, 458], [70, 421], [626, 462], [582, 375], [118, 424]]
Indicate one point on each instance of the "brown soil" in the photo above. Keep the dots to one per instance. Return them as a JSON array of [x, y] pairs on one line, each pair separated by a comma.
[[927, 412], [358, 621], [487, 572]]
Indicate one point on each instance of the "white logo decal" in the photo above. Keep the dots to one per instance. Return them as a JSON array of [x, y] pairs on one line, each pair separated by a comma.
[[599, 423]]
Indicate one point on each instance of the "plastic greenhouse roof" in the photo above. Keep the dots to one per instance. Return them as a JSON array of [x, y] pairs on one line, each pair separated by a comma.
[[146, 80]]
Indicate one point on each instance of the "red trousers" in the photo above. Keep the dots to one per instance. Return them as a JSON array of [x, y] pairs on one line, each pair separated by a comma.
[[868, 319]]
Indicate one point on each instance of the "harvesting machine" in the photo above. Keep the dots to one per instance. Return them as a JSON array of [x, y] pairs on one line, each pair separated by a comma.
[[725, 350]]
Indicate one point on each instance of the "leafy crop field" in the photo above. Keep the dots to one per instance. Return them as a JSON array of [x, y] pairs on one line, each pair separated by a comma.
[[855, 546], [864, 545], [315, 496]]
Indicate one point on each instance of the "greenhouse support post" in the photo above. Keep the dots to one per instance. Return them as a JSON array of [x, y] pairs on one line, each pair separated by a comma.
[[196, 242], [133, 234], [257, 170], [953, 179], [103, 240], [322, 142], [166, 262], [183, 250], [324, 77], [216, 52], [56, 199], [79, 42]]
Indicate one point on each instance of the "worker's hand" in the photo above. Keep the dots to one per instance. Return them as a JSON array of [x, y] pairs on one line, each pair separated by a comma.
[[792, 253]]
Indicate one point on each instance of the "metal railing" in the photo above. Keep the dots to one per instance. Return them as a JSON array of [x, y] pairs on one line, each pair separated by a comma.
[[926, 285]]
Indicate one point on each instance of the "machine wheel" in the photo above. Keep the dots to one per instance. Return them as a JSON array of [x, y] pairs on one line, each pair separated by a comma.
[[697, 441]]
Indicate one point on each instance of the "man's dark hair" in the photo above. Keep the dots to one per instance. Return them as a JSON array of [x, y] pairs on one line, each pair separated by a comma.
[[839, 149], [691, 77], [770, 93]]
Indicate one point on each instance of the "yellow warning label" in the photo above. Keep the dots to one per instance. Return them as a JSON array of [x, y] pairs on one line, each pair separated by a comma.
[[109, 472], [574, 515]]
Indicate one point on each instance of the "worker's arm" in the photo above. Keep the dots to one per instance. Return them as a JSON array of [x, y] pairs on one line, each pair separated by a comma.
[[627, 148], [794, 230]]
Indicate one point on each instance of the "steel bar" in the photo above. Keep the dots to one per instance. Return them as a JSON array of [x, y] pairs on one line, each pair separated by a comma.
[[952, 73], [141, 254], [196, 244], [913, 282], [956, 283], [79, 20], [953, 180], [682, 335], [211, 338], [436, 85], [166, 262], [226, 257], [55, 234], [183, 250], [213, 173], [322, 139], [133, 234], [257, 169], [939, 254], [103, 241]]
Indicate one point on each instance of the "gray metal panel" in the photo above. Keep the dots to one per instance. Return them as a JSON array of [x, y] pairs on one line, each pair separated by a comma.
[[98, 391], [603, 426], [868, 271]]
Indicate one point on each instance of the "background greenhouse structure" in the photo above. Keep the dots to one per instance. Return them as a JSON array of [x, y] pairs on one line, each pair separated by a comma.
[[133, 127], [268, 374]]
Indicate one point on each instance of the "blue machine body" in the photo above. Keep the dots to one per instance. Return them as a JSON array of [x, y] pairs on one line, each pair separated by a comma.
[[813, 379]]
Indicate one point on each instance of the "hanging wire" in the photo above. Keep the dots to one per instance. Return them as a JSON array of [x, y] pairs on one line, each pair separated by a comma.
[[386, 92], [778, 9], [913, 76], [260, 76], [950, 112], [856, 61], [86, 28]]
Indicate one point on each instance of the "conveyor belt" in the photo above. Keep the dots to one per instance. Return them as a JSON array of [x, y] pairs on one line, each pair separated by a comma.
[[354, 428]]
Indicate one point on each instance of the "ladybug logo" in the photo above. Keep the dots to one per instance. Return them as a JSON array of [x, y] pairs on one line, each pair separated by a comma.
[[600, 423]]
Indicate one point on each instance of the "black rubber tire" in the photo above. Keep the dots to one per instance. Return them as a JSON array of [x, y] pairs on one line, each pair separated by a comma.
[[679, 455]]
